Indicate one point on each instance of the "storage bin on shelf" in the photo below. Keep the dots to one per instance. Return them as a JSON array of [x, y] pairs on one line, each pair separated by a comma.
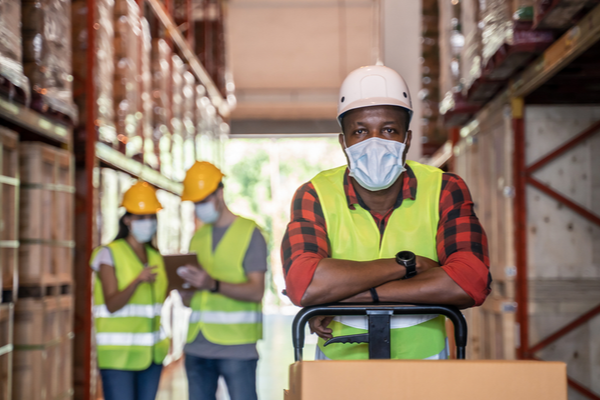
[[9, 194], [14, 85], [46, 216], [46, 29]]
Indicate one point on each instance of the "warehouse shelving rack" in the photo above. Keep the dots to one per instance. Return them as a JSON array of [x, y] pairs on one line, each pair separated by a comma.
[[540, 83], [96, 154]]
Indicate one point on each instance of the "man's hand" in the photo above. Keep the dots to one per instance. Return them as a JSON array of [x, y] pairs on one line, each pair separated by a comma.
[[196, 277], [425, 264], [319, 324]]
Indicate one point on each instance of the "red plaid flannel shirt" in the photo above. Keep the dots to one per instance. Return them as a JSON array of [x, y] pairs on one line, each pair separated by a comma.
[[461, 241]]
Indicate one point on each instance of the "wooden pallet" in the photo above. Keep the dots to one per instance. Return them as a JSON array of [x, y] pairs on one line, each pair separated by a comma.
[[46, 215], [9, 192]]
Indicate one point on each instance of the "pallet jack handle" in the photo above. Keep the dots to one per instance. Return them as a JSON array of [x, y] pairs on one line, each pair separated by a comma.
[[451, 312]]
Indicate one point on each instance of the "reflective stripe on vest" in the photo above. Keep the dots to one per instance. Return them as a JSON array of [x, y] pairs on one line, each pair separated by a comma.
[[131, 338], [354, 235], [221, 319], [129, 310]]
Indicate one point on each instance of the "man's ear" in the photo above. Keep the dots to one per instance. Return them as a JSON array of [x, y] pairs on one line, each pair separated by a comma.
[[341, 140]]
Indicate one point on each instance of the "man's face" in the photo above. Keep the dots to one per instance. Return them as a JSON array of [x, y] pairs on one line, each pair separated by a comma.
[[384, 122]]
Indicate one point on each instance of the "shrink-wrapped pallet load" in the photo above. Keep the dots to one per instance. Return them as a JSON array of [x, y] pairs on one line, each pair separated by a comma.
[[46, 30], [127, 43], [189, 116], [161, 102], [179, 69], [13, 83], [103, 68]]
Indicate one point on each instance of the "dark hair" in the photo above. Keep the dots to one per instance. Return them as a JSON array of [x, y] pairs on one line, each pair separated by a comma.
[[123, 229]]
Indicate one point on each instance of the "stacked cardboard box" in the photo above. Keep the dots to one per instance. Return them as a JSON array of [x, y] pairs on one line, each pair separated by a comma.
[[46, 217]]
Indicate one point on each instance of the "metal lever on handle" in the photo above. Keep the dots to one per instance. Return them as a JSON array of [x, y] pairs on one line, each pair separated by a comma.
[[379, 317]]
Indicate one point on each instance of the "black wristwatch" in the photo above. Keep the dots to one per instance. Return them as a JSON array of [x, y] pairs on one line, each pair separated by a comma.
[[409, 261]]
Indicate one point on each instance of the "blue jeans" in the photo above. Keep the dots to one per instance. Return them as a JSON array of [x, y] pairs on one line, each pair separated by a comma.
[[131, 385], [203, 376]]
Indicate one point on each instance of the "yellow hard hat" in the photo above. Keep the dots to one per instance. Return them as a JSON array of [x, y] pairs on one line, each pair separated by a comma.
[[141, 199], [201, 180]]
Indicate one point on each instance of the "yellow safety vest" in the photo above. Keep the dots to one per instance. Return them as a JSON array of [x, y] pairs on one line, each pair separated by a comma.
[[221, 319], [131, 338], [353, 235]]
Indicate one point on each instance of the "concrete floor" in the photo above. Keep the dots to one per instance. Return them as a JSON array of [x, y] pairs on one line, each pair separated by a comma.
[[276, 354]]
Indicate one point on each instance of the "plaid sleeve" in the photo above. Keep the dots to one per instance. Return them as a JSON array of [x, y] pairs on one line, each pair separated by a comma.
[[461, 241], [305, 242]]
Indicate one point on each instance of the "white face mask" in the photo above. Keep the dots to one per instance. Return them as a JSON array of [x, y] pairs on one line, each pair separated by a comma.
[[207, 212], [376, 163], [143, 229]]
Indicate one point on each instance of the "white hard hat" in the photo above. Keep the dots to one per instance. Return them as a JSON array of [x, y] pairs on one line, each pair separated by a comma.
[[374, 85]]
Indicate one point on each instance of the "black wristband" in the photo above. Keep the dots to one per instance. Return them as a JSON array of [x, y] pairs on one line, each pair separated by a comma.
[[374, 295], [216, 288]]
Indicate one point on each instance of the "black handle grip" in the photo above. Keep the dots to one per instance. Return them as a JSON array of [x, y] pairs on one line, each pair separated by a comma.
[[352, 339], [451, 312]]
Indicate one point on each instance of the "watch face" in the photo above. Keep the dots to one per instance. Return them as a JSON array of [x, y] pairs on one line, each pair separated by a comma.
[[406, 256]]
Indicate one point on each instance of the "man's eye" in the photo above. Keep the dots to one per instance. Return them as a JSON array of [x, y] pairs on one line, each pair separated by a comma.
[[389, 130]]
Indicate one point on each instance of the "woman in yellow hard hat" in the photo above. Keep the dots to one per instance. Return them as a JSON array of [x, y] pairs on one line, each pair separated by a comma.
[[129, 291]]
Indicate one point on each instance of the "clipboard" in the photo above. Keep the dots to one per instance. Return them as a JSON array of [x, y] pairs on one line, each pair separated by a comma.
[[172, 262]]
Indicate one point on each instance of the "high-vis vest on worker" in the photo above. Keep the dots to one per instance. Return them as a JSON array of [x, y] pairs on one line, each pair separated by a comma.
[[221, 319], [354, 235], [131, 338]]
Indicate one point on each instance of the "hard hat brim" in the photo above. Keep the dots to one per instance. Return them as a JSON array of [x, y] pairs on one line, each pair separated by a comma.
[[372, 102]]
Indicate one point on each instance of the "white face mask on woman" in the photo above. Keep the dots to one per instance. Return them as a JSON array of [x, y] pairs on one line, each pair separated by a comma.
[[207, 212], [376, 163], [143, 229]]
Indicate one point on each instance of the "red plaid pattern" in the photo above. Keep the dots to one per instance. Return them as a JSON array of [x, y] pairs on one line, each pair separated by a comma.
[[461, 241]]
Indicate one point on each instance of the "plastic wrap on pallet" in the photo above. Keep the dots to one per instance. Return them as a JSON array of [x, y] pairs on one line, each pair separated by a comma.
[[179, 69], [160, 67], [470, 56], [189, 114], [150, 157], [103, 68], [508, 22], [11, 53], [105, 72], [46, 30], [126, 86]]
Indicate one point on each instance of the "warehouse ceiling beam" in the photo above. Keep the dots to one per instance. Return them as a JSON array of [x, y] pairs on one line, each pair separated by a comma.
[[561, 53], [214, 94]]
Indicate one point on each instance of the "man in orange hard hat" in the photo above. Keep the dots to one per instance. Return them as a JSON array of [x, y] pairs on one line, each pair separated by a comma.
[[226, 319], [383, 228]]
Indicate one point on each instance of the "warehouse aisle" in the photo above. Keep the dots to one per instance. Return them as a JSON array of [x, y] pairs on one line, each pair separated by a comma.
[[276, 355]]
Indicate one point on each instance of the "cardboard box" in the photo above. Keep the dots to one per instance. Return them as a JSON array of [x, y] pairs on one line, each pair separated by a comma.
[[426, 380]]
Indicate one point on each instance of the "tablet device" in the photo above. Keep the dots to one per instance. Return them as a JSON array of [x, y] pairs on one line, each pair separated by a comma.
[[172, 262]]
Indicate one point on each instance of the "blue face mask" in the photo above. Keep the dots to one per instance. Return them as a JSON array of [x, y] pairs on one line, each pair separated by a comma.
[[376, 163], [143, 229], [207, 213]]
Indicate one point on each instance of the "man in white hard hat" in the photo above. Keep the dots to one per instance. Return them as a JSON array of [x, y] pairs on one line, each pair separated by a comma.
[[383, 228]]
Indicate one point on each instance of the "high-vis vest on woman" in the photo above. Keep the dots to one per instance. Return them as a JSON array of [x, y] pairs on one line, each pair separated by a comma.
[[221, 319], [354, 235], [131, 338]]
